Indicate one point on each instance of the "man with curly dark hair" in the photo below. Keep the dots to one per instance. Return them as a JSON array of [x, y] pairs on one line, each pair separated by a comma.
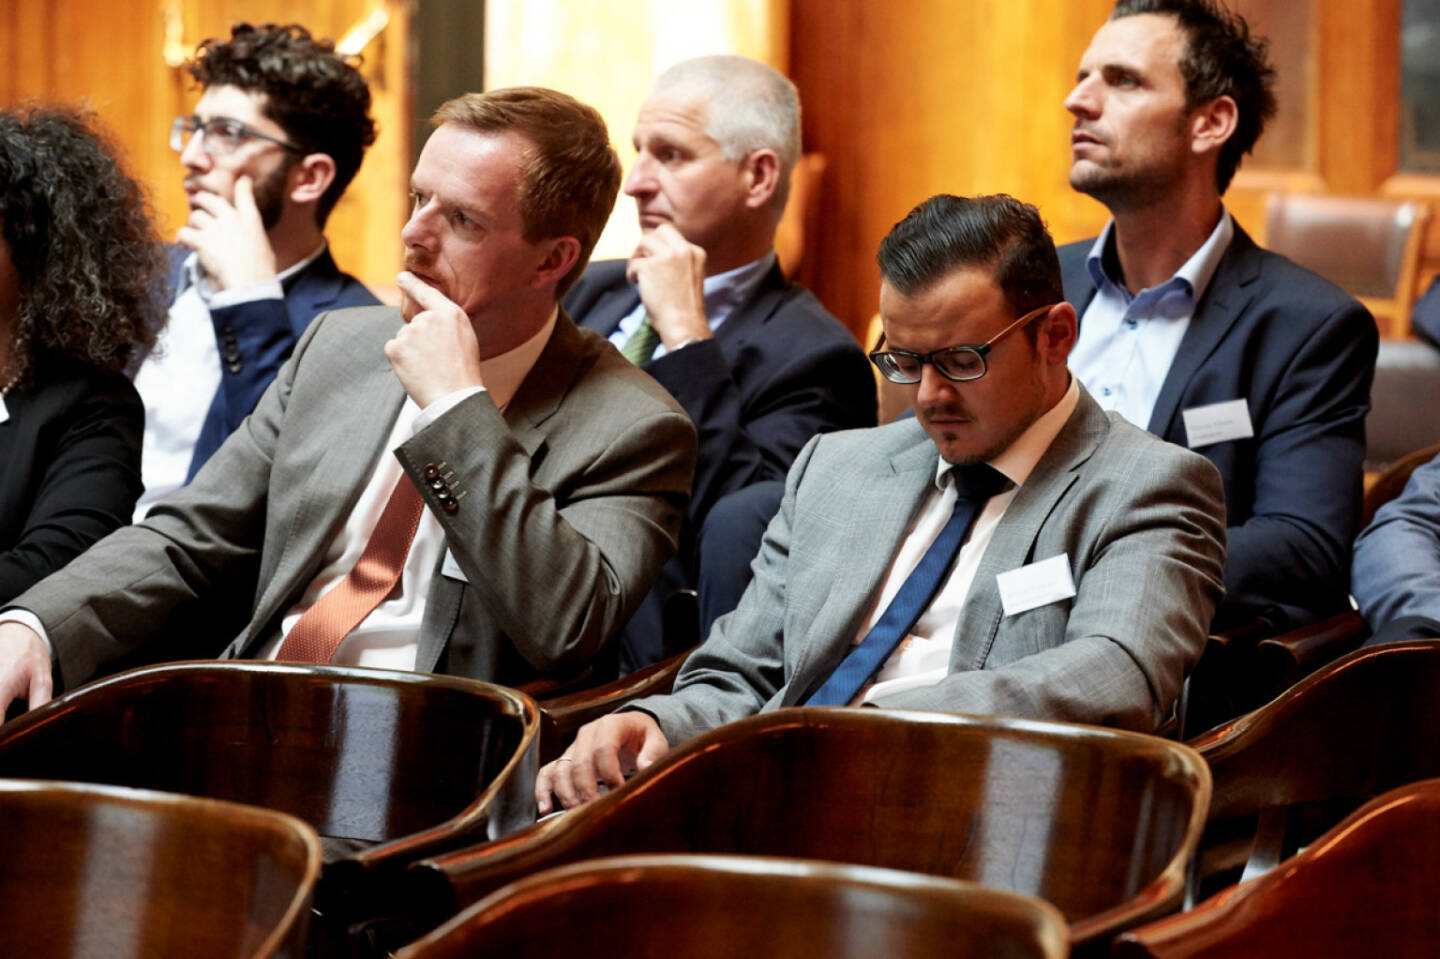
[[80, 271], [278, 134], [1191, 330]]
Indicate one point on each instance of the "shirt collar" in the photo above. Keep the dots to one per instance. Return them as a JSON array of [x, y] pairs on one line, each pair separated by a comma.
[[503, 374], [1194, 275], [724, 292], [1018, 459]]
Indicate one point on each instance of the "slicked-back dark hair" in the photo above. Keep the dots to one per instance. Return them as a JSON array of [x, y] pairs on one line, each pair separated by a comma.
[[997, 233], [1221, 59], [316, 95], [91, 267]]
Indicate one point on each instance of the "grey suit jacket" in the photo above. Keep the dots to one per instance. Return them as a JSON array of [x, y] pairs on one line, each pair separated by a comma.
[[568, 505], [1143, 525]]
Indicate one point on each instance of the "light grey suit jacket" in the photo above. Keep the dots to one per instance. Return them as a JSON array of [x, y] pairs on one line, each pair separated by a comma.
[[1143, 524], [568, 505]]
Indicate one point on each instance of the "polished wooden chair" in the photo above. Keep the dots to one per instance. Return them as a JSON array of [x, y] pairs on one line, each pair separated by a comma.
[[388, 766], [1365, 888], [1101, 823], [90, 871], [799, 227], [741, 907], [1368, 247], [562, 717], [1283, 773], [1391, 481]]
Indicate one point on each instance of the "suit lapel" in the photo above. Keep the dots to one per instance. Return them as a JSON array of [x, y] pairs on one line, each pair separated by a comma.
[[1014, 540], [882, 506], [610, 307], [312, 290], [1075, 279], [1225, 299], [762, 304]]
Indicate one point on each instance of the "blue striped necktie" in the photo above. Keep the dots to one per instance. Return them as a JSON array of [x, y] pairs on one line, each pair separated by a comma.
[[973, 486]]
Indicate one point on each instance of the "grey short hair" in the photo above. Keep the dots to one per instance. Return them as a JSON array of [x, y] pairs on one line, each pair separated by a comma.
[[752, 107]]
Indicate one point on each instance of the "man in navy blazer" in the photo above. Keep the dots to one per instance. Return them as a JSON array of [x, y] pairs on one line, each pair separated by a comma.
[[1190, 329], [277, 135], [703, 306]]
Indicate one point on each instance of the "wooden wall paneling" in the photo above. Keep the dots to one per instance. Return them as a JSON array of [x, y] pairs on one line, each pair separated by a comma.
[[918, 97]]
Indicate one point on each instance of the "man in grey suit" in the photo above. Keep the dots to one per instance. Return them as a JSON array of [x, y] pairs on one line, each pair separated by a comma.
[[1092, 565], [537, 479]]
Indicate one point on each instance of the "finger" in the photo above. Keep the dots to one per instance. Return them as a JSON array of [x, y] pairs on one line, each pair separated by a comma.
[[582, 775], [211, 203], [655, 746], [543, 788], [245, 197], [563, 783], [421, 292], [607, 767], [41, 686]]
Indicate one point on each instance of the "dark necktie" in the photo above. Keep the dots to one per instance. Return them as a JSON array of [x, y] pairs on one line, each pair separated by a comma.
[[973, 486]]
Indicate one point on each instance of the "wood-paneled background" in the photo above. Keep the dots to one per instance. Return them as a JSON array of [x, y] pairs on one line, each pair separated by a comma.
[[905, 97]]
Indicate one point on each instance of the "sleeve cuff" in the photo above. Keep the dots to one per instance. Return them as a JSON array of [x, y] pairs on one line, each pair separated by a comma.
[[26, 618], [442, 406], [264, 290]]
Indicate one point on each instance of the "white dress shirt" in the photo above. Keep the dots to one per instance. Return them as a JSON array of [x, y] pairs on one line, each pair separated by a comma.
[[180, 375], [724, 293], [923, 657], [1127, 343]]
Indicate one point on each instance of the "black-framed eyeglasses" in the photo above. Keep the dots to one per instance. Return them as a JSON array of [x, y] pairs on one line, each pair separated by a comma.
[[219, 136], [958, 363]]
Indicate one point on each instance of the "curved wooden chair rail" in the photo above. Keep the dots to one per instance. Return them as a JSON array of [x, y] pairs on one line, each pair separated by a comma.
[[1364, 724], [1391, 481], [1101, 823], [1364, 888], [562, 717], [130, 874], [742, 907], [1245, 667], [389, 766]]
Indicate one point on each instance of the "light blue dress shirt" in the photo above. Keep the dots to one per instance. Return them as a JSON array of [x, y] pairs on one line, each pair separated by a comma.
[[724, 293], [1127, 342]]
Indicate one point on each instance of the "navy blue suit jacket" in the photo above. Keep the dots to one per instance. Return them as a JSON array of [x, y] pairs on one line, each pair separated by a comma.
[[779, 370], [255, 338], [1301, 353]]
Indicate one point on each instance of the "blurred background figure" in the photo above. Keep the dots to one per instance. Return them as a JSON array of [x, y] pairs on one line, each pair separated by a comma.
[[80, 272]]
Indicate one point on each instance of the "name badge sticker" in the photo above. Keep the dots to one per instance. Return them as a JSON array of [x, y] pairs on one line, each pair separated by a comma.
[[452, 569], [1217, 422], [1038, 584]]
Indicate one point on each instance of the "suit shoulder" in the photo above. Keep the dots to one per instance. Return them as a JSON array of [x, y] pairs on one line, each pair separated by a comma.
[[1128, 453], [605, 371], [801, 314], [354, 293], [599, 277], [873, 444], [1074, 252]]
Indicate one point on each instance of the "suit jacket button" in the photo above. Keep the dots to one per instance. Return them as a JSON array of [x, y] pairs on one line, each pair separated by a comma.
[[451, 506], [431, 471]]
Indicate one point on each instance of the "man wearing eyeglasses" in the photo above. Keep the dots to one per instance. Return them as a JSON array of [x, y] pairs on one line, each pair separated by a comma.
[[277, 135], [1012, 550]]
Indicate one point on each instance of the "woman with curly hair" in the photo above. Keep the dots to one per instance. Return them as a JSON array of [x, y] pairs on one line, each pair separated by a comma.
[[80, 270]]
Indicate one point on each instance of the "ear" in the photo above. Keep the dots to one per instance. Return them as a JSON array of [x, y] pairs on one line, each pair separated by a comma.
[[1056, 335], [311, 177], [561, 255], [1213, 123], [761, 175]]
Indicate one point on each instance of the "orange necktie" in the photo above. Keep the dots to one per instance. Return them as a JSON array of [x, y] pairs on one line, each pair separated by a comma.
[[318, 632]]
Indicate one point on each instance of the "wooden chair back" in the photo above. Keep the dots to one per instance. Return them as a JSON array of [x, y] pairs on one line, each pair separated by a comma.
[[1099, 822], [1391, 481], [387, 766], [1364, 724], [1365, 888], [740, 907], [91, 871], [1368, 247]]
